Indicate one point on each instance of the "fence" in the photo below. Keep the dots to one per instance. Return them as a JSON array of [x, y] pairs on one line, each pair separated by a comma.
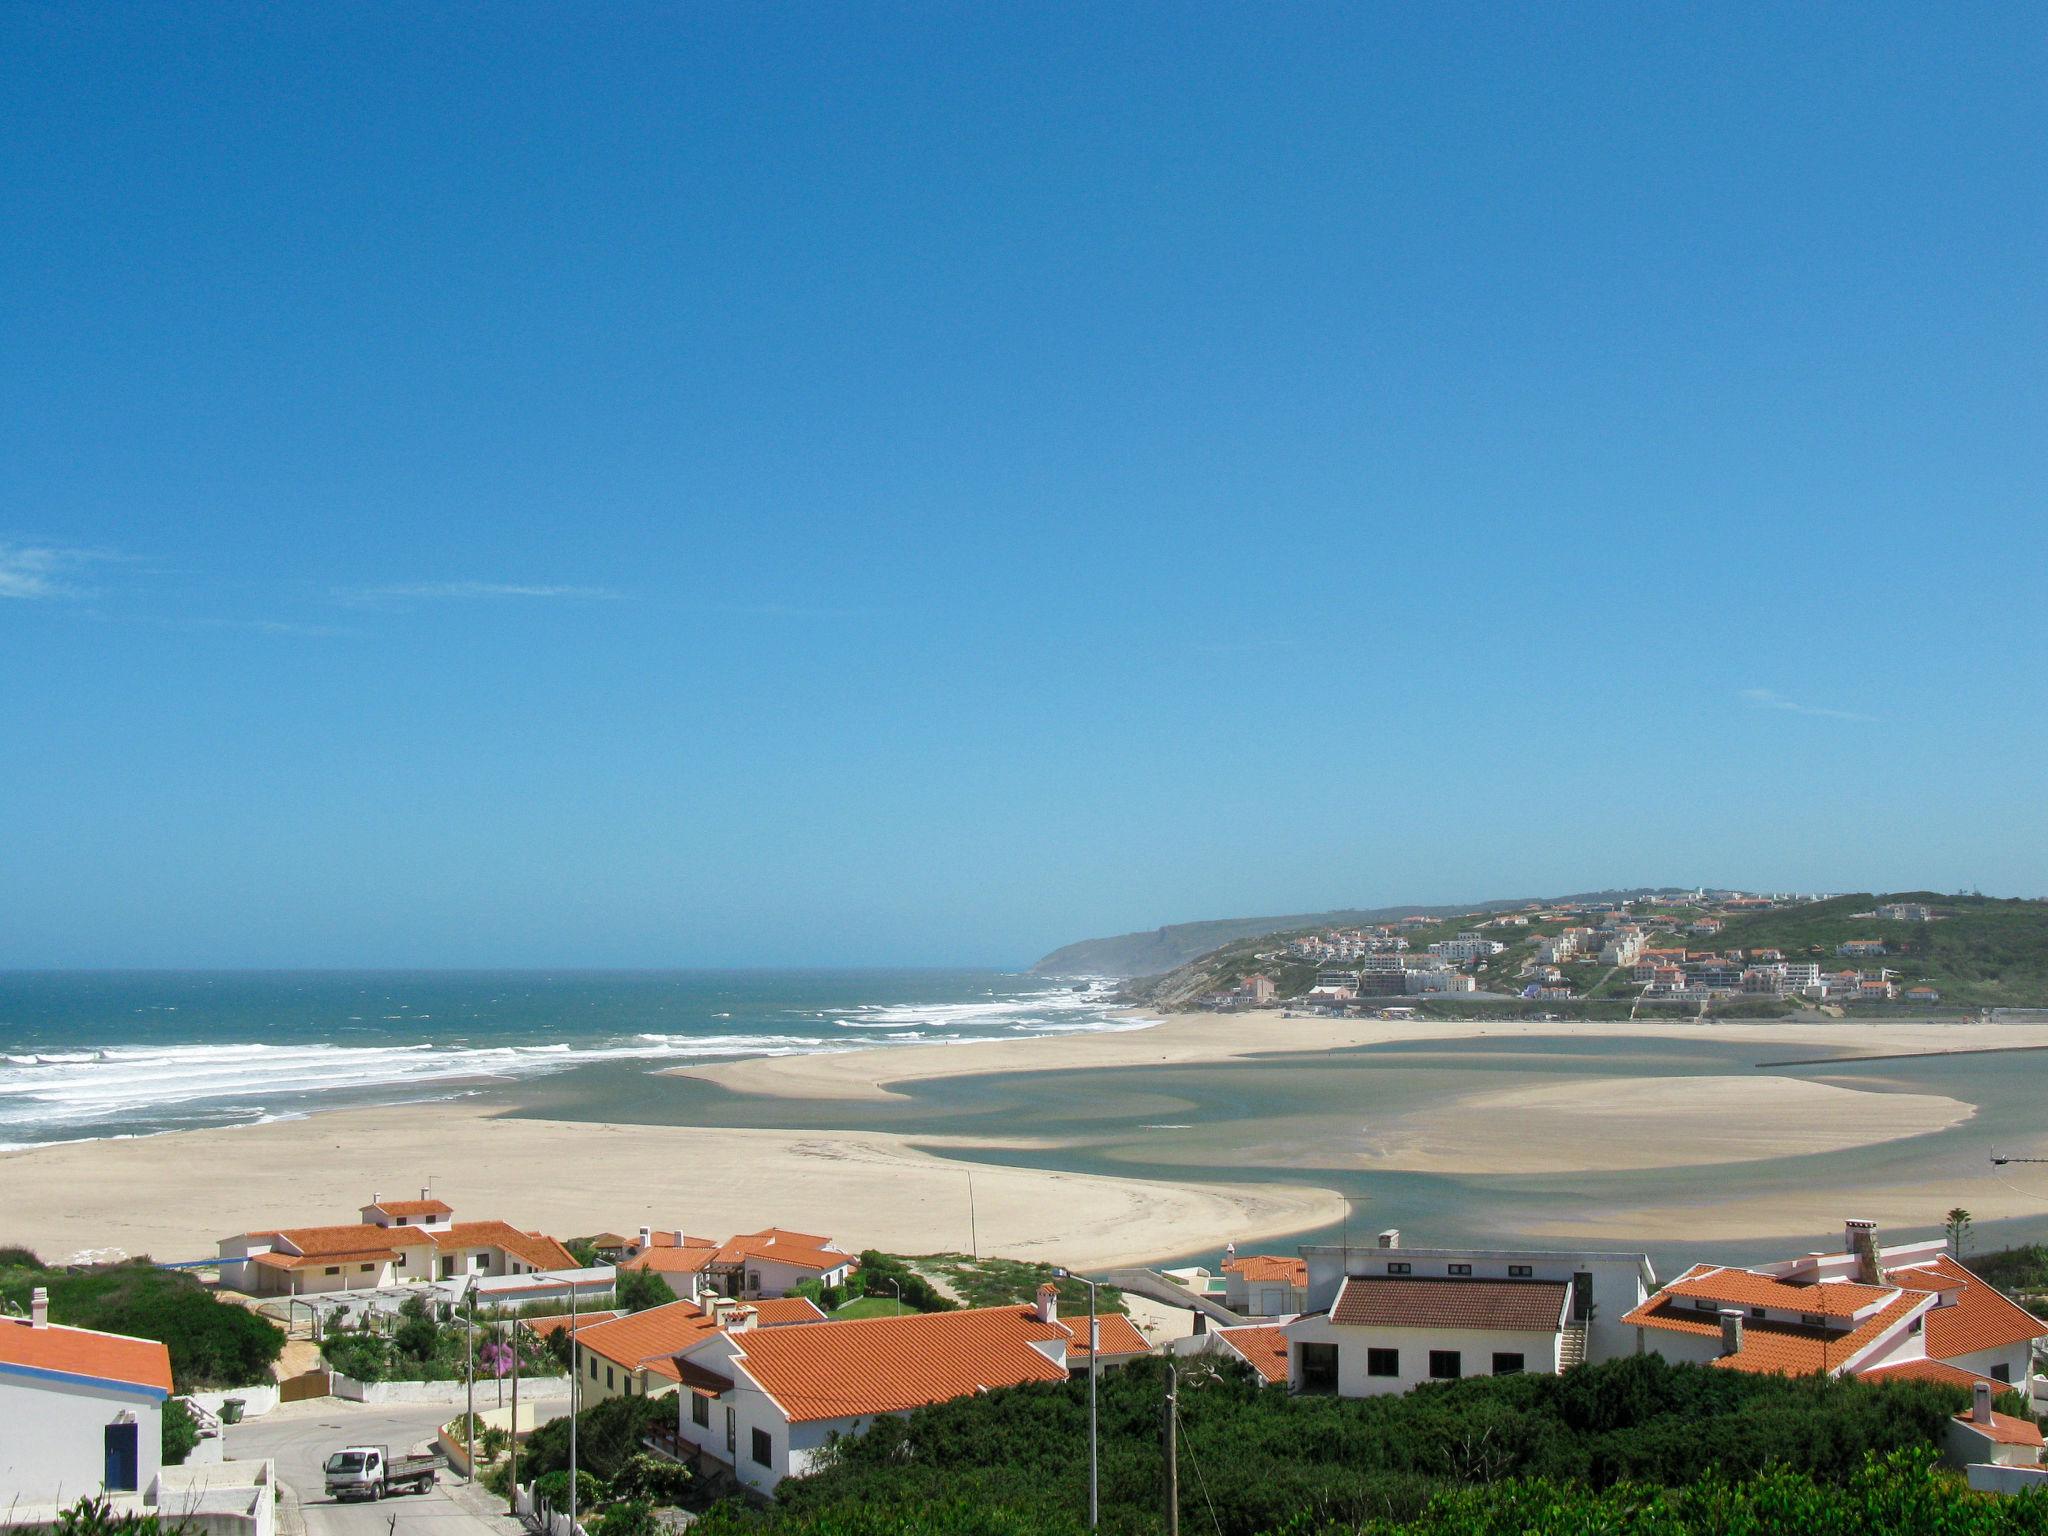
[[451, 1393]]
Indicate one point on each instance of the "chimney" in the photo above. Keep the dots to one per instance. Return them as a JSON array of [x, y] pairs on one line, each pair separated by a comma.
[[722, 1310], [39, 1308], [741, 1321], [426, 1191], [1048, 1303], [1860, 1238], [1391, 1238], [679, 1237], [377, 1197], [707, 1303], [646, 1238], [1731, 1331], [1980, 1403]]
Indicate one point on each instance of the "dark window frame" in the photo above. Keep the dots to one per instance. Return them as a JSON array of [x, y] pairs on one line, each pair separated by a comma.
[[1446, 1364]]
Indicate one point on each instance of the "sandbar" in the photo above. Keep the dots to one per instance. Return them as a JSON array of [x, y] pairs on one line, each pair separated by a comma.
[[172, 1196]]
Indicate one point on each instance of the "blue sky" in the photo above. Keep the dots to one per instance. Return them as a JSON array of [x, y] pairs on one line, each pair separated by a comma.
[[923, 484]]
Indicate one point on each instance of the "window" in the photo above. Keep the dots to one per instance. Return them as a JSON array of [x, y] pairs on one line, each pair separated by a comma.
[[2001, 1373], [700, 1410], [593, 1367], [1506, 1362], [732, 1430], [609, 1380], [1318, 1367], [1445, 1365], [1401, 1269], [401, 1221], [1520, 1271], [764, 1448], [1461, 1269], [366, 1269], [334, 1269], [753, 1282], [1383, 1362], [1813, 1320]]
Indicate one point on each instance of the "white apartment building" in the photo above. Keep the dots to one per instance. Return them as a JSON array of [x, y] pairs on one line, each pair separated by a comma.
[[1384, 1319]]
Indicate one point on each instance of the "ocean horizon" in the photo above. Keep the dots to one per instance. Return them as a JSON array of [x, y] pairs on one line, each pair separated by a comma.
[[92, 1054]]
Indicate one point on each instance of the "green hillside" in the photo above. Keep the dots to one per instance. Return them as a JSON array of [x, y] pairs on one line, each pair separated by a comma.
[[1979, 951]]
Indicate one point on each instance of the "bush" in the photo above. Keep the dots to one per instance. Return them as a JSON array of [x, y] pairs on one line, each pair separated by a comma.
[[212, 1343], [631, 1518], [360, 1355], [180, 1432], [554, 1488], [608, 1436], [491, 1442], [652, 1479], [635, 1290], [881, 1273]]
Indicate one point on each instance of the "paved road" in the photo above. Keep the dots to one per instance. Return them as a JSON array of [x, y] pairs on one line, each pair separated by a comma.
[[301, 1436]]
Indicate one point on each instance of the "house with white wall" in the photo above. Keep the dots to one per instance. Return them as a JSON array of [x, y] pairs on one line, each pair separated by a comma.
[[81, 1412], [764, 1402], [633, 1354], [1264, 1284], [394, 1242], [749, 1265], [1866, 1310], [1604, 1285]]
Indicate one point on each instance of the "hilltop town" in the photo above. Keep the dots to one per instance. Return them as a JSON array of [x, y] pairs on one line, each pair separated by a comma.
[[1729, 953]]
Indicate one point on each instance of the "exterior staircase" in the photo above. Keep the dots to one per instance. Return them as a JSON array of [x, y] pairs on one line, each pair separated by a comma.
[[1571, 1348]]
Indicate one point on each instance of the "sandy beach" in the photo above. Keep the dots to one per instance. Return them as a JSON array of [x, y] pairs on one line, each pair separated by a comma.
[[171, 1196]]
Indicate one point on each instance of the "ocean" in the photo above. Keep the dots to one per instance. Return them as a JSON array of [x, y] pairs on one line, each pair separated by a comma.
[[95, 1054]]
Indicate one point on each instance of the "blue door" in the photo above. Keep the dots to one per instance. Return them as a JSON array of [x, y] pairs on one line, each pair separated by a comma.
[[121, 1458]]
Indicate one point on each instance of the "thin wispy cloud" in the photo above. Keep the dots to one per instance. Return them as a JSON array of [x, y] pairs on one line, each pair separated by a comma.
[[464, 591], [1765, 698], [31, 572]]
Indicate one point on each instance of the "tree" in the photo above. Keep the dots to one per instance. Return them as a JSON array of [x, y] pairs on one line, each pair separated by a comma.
[[1957, 1227], [635, 1290], [180, 1432]]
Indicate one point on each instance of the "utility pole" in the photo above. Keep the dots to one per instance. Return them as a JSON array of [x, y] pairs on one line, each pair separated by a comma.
[[1094, 1370], [512, 1337], [469, 1386], [1172, 1417], [973, 1231], [575, 1381]]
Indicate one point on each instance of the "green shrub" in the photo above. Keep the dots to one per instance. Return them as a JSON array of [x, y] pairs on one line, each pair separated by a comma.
[[212, 1343], [608, 1436], [635, 1290], [180, 1432], [554, 1488], [631, 1518], [652, 1479]]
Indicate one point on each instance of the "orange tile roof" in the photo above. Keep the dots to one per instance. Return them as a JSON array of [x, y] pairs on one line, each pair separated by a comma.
[[1117, 1334], [668, 1240], [350, 1237], [2004, 1428], [546, 1326], [801, 1250], [1745, 1288], [85, 1353], [889, 1364], [1268, 1267], [1981, 1318], [672, 1261], [317, 1260], [654, 1338], [1263, 1349], [412, 1207], [535, 1248], [1928, 1370], [1789, 1349]]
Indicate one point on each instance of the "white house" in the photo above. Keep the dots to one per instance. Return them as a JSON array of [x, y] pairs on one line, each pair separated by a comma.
[[1604, 1286], [394, 1243], [1264, 1284], [1866, 1311], [80, 1412], [764, 1402], [1984, 1436], [634, 1354]]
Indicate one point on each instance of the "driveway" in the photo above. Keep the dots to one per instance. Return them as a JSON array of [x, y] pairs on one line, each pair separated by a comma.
[[300, 1437]]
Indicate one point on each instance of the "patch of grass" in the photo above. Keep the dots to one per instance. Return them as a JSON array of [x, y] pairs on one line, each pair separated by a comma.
[[1013, 1282], [870, 1306]]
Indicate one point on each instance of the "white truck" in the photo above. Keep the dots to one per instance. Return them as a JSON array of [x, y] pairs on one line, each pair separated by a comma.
[[371, 1471]]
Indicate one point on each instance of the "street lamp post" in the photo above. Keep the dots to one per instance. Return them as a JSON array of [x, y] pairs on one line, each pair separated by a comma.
[[1094, 1370], [575, 1396], [897, 1286]]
